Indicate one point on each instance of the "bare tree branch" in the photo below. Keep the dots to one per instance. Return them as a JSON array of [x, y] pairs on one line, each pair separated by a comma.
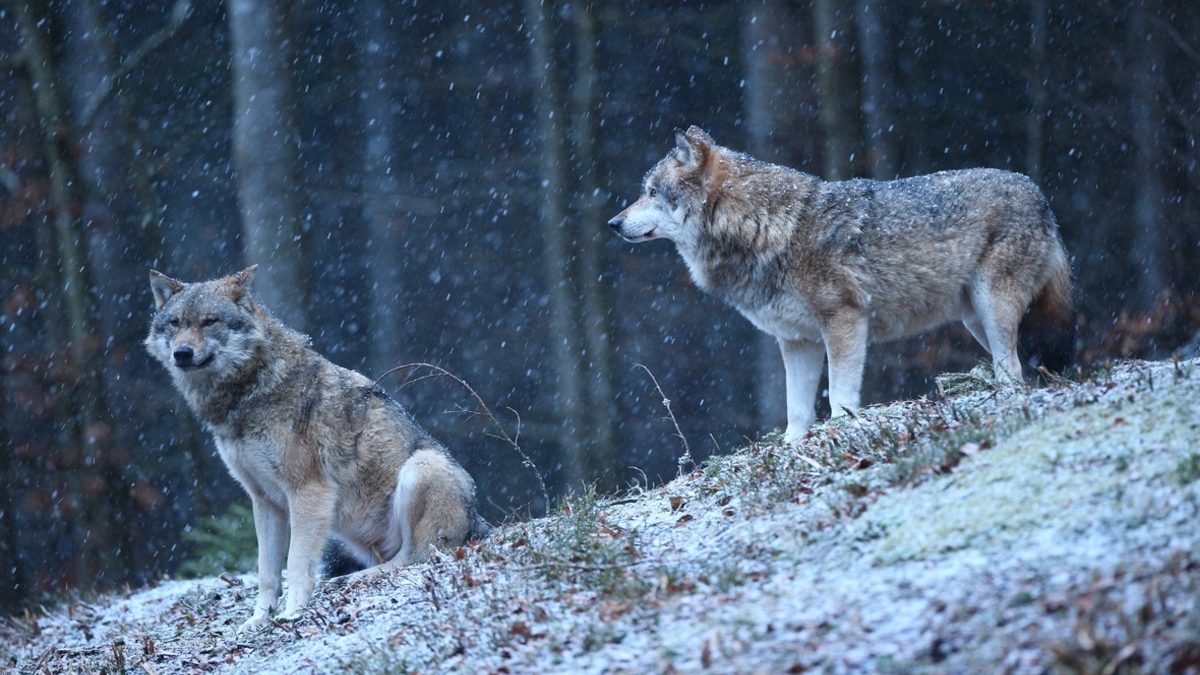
[[483, 411], [179, 14], [1180, 42]]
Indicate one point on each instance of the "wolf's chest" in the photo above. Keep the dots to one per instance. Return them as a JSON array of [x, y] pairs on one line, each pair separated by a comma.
[[255, 464], [787, 317]]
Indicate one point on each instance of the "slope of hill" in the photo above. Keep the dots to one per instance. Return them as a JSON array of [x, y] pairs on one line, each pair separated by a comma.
[[990, 531]]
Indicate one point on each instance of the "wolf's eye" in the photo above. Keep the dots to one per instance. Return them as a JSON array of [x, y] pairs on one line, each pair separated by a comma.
[[653, 193], [174, 323], [211, 321]]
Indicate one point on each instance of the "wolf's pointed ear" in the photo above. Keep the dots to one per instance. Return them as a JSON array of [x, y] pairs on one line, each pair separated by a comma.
[[243, 278], [699, 137], [693, 145], [163, 287], [683, 146], [239, 287]]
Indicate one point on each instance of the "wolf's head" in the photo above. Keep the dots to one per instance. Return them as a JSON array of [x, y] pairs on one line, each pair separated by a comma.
[[205, 329], [673, 193]]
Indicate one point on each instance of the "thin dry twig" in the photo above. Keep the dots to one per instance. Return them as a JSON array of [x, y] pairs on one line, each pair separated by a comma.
[[484, 411], [1175, 35], [687, 451], [42, 660], [431, 586]]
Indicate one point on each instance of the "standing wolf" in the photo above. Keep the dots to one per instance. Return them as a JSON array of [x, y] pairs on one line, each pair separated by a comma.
[[827, 267], [317, 446]]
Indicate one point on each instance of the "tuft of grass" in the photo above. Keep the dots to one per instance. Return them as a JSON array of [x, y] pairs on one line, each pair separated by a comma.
[[774, 437], [980, 378], [576, 545], [769, 472], [941, 449], [1188, 469]]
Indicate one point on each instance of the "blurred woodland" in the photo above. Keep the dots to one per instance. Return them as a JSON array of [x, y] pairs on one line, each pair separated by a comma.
[[430, 182]]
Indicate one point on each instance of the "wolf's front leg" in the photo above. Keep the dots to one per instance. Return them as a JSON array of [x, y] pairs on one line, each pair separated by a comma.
[[845, 337], [270, 528], [312, 515], [802, 363]]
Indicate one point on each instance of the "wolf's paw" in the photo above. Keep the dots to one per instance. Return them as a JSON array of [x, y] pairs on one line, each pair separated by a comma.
[[260, 620], [290, 614], [794, 434]]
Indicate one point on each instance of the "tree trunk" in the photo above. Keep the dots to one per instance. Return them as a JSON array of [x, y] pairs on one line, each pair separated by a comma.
[[13, 588], [381, 182], [764, 27], [1035, 119], [913, 109], [837, 86], [96, 481], [556, 254], [127, 171], [266, 155], [602, 457], [115, 163], [878, 88], [1151, 232]]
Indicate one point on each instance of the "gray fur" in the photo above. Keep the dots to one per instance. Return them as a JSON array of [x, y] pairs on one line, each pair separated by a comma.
[[318, 447]]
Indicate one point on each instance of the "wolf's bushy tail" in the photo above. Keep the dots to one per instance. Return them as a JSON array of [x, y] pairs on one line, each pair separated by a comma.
[[1047, 331], [479, 527]]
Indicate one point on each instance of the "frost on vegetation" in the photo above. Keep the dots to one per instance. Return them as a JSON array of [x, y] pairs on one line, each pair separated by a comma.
[[996, 529], [1052, 471], [980, 378]]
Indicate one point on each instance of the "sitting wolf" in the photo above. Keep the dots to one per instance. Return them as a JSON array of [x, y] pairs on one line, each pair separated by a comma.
[[317, 446], [827, 267]]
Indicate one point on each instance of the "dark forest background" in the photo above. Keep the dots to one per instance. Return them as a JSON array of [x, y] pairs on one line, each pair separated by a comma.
[[430, 181]]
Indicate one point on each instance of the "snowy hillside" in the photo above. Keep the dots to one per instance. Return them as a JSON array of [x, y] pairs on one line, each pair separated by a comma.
[[992, 531]]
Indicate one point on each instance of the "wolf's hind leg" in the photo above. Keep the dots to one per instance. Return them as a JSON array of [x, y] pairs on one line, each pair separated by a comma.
[[802, 363], [846, 344], [430, 507], [975, 326], [999, 312]]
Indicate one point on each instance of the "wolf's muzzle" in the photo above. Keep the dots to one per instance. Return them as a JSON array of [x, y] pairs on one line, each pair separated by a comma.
[[184, 356]]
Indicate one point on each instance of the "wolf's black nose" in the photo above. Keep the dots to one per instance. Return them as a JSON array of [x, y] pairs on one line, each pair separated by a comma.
[[183, 355], [615, 223]]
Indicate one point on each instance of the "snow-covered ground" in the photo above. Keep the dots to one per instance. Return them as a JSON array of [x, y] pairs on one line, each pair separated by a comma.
[[994, 531]]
